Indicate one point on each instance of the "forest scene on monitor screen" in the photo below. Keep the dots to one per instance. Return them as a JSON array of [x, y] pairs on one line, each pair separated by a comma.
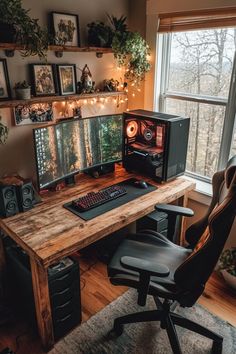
[[76, 145]]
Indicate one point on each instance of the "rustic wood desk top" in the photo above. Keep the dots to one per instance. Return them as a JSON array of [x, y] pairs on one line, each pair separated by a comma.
[[49, 232]]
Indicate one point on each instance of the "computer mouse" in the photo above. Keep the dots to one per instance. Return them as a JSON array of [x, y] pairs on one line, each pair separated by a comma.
[[141, 184]]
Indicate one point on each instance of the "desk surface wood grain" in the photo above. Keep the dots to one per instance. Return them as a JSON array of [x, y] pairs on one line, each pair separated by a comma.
[[49, 232]]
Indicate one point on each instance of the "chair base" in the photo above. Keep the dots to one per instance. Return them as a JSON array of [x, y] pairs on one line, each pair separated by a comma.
[[168, 320]]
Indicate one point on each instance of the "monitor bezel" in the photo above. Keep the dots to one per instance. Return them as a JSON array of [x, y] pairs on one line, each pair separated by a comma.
[[70, 120]]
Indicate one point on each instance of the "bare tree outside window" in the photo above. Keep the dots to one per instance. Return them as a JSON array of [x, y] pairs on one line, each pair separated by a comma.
[[199, 74]]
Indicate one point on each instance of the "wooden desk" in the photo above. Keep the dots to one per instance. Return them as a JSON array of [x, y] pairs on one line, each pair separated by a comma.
[[49, 232]]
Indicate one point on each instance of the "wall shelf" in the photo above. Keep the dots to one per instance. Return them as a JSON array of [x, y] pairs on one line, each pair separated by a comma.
[[10, 48], [14, 103]]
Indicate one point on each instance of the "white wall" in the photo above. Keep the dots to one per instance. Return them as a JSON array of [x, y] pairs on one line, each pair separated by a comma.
[[17, 156]]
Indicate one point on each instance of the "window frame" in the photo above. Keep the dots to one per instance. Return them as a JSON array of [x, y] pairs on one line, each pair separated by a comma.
[[161, 94]]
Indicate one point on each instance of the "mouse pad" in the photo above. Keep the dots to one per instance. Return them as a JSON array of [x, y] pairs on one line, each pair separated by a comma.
[[133, 192]]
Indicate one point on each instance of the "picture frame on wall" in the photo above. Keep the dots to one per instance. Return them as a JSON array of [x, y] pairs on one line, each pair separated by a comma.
[[5, 90], [65, 29], [43, 79], [66, 79], [36, 113]]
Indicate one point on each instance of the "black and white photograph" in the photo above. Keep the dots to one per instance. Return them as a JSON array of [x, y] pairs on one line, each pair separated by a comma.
[[65, 28]]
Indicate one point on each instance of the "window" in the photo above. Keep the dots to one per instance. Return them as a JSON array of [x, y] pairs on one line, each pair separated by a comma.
[[194, 80]]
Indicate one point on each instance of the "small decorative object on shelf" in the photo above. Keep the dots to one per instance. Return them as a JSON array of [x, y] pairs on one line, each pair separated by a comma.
[[43, 79], [111, 85], [67, 79], [17, 26], [227, 265], [5, 92], [22, 90], [86, 84], [65, 29], [3, 132]]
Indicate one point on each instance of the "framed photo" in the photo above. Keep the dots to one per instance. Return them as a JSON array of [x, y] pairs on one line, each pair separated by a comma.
[[33, 113], [43, 78], [65, 28], [5, 91], [67, 79]]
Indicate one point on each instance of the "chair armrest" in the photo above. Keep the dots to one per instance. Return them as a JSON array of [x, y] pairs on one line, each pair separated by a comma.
[[145, 266], [174, 209], [145, 269]]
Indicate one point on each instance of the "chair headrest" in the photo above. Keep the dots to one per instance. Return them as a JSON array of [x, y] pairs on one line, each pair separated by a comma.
[[230, 172]]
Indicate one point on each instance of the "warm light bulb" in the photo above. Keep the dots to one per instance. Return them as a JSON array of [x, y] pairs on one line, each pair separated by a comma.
[[85, 101], [102, 105], [133, 94], [106, 100]]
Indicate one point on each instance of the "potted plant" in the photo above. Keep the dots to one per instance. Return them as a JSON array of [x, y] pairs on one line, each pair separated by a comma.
[[22, 90], [99, 35], [17, 26], [3, 132], [227, 265], [129, 48]]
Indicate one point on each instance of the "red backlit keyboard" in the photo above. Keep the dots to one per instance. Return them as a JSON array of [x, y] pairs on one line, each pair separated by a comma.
[[94, 199]]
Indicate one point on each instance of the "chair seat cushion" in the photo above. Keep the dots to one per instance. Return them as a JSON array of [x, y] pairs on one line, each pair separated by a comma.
[[149, 246]]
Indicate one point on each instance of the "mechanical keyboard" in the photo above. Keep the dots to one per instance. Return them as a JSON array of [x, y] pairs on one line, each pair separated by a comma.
[[94, 199]]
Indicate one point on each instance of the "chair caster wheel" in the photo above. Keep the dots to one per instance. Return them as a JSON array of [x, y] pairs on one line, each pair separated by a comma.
[[217, 347]]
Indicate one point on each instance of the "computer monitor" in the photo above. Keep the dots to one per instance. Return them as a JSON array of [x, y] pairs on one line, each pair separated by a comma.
[[75, 145]]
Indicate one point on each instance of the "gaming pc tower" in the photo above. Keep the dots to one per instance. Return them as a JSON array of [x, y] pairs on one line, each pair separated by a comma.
[[155, 144]]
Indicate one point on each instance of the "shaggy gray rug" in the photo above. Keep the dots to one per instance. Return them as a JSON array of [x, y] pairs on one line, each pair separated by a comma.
[[92, 336]]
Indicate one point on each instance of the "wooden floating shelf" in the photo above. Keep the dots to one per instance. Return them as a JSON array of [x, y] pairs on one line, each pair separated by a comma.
[[11, 47], [14, 103]]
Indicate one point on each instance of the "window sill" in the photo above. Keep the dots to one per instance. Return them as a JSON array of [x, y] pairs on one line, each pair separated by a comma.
[[203, 192]]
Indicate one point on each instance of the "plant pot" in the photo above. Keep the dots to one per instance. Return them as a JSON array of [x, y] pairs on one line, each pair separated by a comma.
[[229, 278], [7, 33], [23, 94]]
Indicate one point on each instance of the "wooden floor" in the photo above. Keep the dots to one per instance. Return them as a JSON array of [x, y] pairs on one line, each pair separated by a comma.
[[97, 292]]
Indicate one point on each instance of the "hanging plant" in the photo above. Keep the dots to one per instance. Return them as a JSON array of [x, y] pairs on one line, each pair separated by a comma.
[[16, 23], [130, 50], [3, 132]]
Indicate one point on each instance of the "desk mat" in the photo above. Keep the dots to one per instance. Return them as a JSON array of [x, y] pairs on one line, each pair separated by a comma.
[[133, 192]]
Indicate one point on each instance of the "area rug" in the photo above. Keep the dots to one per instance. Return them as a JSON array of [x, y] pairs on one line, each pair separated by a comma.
[[93, 337]]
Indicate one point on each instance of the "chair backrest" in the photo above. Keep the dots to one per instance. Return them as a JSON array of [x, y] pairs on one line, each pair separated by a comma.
[[208, 236]]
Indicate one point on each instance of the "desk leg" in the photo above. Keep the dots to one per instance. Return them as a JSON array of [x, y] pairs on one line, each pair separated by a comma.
[[42, 304]]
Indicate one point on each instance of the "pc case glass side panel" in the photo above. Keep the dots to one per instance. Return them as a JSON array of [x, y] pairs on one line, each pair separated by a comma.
[[144, 141]]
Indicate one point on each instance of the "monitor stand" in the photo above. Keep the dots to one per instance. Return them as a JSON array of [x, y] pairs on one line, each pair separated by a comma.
[[70, 181], [98, 171]]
